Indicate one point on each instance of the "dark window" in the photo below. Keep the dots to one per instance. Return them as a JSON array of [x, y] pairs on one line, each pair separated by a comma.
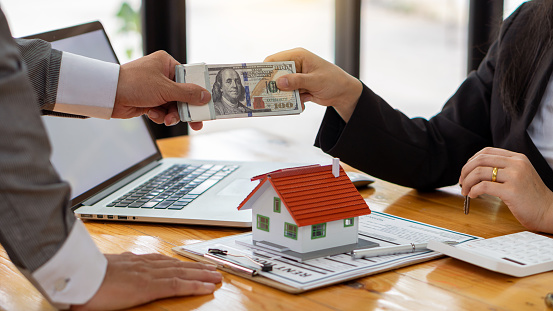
[[276, 205], [318, 231], [290, 231]]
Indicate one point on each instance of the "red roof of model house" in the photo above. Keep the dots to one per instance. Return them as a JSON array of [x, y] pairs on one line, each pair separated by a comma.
[[312, 194]]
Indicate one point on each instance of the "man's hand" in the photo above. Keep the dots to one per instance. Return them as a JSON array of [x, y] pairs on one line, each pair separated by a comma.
[[133, 280], [319, 81], [146, 86]]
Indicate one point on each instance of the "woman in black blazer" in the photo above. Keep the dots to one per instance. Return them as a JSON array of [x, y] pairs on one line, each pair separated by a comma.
[[490, 136]]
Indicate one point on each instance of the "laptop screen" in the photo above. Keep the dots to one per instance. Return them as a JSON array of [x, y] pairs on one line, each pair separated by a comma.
[[88, 153]]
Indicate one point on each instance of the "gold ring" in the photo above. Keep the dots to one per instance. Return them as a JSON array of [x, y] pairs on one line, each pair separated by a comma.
[[494, 174]]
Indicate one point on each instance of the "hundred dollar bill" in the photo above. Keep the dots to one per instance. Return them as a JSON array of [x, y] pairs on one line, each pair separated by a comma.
[[238, 90]]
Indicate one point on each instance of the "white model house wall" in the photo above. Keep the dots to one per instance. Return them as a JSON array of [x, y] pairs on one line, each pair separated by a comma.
[[336, 233]]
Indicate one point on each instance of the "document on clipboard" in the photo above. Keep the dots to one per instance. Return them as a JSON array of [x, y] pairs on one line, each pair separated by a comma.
[[295, 277]]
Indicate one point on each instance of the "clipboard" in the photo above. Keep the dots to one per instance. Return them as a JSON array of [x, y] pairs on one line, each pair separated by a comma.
[[295, 277], [227, 268]]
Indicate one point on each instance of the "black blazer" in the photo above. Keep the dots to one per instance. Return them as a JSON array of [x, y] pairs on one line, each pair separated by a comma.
[[427, 154]]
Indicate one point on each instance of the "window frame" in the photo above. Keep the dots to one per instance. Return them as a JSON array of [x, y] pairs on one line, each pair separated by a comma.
[[277, 205], [352, 222], [322, 230], [258, 217], [286, 224]]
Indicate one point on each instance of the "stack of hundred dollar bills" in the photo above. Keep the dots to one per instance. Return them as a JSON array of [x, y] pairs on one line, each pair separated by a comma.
[[238, 90]]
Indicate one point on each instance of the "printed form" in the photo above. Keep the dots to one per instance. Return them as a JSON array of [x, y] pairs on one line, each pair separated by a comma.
[[382, 228]]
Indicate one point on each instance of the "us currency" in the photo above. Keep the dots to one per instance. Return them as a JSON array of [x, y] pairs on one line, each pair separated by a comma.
[[238, 90]]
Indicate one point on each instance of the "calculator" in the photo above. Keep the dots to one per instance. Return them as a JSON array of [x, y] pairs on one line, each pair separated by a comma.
[[518, 254]]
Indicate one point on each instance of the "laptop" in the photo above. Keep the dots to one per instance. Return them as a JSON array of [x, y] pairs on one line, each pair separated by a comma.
[[117, 173]]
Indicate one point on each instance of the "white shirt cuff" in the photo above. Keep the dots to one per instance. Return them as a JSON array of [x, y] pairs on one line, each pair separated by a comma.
[[76, 271], [86, 86]]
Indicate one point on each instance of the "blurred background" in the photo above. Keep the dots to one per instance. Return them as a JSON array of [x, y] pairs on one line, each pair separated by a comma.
[[413, 52]]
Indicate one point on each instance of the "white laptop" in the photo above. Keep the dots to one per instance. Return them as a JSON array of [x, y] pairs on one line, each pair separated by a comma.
[[112, 164]]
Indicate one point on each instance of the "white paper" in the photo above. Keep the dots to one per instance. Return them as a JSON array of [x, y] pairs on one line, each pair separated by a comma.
[[381, 228]]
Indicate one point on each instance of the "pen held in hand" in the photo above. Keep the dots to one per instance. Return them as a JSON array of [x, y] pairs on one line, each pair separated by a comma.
[[467, 204]]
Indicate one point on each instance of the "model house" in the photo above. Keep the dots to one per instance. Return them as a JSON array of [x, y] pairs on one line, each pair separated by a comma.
[[306, 212]]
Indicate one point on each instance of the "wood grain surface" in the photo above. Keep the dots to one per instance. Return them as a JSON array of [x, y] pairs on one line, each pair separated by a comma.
[[441, 284]]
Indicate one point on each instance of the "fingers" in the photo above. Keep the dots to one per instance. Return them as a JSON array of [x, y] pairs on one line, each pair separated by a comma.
[[479, 178], [197, 274], [517, 184], [157, 115], [482, 167], [492, 151], [487, 187], [485, 173], [196, 126], [280, 56], [305, 97], [478, 173], [187, 92], [167, 114], [488, 157], [143, 278], [171, 287], [169, 277], [297, 55], [159, 259], [147, 83], [297, 81], [172, 116], [306, 63]]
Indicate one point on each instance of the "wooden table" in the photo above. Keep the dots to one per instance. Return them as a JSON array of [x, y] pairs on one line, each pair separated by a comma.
[[442, 284]]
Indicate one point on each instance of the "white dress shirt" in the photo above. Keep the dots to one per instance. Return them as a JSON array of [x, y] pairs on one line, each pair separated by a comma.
[[541, 128], [86, 87]]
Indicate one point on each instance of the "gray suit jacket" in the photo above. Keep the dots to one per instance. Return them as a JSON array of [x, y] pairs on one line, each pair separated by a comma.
[[35, 218]]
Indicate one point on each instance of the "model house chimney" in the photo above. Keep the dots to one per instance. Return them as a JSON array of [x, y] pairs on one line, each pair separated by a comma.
[[336, 167]]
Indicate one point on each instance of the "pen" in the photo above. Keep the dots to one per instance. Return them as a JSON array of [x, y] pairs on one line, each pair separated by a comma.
[[232, 265], [393, 250], [220, 256], [467, 204]]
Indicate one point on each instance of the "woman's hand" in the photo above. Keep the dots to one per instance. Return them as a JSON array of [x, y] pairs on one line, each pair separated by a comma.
[[517, 184], [319, 81]]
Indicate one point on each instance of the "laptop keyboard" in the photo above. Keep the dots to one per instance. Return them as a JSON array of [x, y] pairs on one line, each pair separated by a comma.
[[175, 187]]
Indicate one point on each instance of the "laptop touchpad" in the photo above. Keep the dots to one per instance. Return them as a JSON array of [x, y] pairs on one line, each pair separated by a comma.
[[239, 188]]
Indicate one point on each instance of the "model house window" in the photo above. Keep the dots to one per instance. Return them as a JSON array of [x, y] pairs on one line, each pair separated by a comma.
[[276, 205], [318, 231], [290, 231], [348, 222], [263, 223]]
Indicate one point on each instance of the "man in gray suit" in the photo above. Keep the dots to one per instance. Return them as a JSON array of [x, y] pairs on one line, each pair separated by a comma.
[[37, 228]]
